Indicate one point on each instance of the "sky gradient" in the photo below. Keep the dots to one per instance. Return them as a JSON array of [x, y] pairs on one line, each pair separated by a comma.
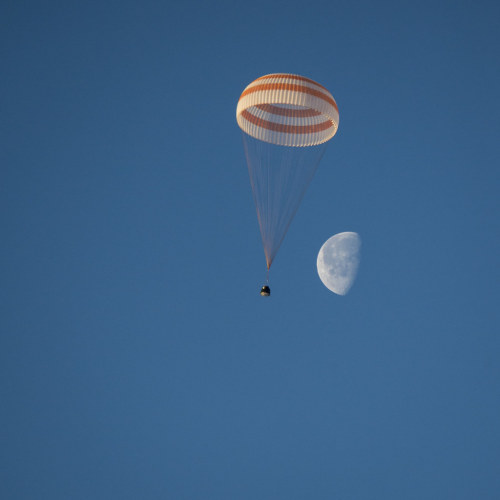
[[137, 359]]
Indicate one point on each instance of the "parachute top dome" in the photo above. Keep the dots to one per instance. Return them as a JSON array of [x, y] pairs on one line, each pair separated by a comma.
[[287, 110]]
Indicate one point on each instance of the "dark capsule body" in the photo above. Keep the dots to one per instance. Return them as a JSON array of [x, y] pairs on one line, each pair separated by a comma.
[[265, 291]]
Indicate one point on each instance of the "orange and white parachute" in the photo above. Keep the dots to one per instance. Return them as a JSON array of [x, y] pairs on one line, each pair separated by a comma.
[[288, 110], [286, 122]]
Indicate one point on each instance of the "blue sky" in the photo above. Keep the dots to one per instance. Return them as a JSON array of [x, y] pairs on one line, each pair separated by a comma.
[[137, 359]]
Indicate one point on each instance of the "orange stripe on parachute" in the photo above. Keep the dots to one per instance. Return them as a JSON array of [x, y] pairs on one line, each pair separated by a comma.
[[288, 112], [286, 129], [291, 87], [291, 77]]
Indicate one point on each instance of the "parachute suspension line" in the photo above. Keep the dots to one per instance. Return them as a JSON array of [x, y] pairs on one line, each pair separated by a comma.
[[279, 177], [268, 212]]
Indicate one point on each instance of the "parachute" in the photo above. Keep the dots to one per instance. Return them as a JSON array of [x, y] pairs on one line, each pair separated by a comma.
[[286, 121]]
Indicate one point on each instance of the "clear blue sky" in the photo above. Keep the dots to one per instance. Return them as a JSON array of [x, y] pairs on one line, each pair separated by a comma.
[[137, 359]]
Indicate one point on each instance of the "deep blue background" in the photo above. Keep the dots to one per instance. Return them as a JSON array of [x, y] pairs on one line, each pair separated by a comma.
[[137, 359]]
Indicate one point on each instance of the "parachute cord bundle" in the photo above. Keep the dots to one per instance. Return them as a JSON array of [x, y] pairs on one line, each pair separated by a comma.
[[279, 176]]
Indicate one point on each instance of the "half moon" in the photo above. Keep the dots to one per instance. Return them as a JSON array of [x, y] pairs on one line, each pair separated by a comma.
[[338, 261]]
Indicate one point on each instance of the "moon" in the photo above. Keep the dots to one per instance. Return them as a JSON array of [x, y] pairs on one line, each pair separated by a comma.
[[338, 261]]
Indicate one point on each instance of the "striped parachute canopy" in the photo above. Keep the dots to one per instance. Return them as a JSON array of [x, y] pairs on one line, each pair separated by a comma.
[[286, 122]]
